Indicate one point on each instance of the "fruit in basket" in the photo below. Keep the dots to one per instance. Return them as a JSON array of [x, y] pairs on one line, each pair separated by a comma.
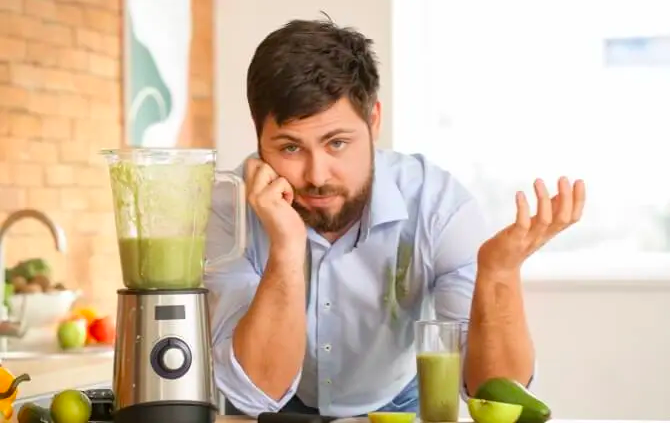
[[42, 281], [102, 330], [72, 333], [33, 413], [19, 283], [31, 268], [505, 390], [88, 313], [32, 276], [71, 406]]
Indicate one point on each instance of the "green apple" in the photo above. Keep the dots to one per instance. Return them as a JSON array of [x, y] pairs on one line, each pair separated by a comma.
[[72, 334]]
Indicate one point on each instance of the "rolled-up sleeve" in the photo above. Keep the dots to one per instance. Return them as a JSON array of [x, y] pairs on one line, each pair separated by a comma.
[[458, 238], [232, 287]]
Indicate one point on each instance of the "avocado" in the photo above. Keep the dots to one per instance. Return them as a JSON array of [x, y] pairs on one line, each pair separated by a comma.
[[505, 390], [33, 413]]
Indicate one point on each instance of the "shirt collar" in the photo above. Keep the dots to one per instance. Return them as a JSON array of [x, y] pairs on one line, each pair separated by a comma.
[[386, 203]]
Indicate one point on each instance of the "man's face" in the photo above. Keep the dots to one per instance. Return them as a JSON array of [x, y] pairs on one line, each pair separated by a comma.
[[328, 159]]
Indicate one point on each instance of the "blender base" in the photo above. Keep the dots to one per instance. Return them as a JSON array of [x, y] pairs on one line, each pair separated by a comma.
[[167, 412], [162, 358]]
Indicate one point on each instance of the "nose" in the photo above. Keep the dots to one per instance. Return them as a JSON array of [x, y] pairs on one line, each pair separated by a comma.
[[316, 172]]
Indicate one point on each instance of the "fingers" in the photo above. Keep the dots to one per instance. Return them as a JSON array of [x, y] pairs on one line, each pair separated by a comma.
[[279, 189], [250, 168], [523, 221], [561, 211], [265, 175], [258, 175], [562, 205], [553, 214], [578, 200], [264, 186], [544, 215]]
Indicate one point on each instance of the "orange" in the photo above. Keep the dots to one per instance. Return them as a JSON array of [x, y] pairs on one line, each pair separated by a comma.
[[87, 313]]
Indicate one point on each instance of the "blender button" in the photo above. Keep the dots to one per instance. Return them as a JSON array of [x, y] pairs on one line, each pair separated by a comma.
[[173, 358]]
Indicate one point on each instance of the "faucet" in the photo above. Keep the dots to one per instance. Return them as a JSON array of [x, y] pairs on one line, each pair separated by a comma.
[[13, 328]]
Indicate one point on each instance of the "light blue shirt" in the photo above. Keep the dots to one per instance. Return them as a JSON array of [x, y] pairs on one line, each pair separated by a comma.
[[421, 223]]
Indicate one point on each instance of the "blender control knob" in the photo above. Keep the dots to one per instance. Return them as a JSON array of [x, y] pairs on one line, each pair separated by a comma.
[[171, 358]]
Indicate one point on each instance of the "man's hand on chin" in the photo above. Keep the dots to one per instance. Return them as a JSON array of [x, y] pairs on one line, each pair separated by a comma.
[[499, 343]]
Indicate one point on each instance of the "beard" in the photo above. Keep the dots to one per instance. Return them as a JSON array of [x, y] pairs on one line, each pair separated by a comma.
[[323, 221]]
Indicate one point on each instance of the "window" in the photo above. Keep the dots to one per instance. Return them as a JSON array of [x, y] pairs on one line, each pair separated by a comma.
[[505, 92]]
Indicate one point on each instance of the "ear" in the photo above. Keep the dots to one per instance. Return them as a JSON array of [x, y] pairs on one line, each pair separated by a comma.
[[375, 120]]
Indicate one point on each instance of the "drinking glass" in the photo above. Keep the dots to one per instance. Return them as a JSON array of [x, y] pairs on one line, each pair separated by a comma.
[[438, 363]]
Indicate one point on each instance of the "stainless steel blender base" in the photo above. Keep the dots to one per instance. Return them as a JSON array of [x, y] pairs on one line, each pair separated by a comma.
[[162, 361]]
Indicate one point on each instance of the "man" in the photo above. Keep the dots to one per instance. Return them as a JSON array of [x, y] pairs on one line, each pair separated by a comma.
[[314, 317]]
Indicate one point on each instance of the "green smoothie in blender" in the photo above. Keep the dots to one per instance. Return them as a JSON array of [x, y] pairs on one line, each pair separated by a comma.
[[161, 214], [165, 263]]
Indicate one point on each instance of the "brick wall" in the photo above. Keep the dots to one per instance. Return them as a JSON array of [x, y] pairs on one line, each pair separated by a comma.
[[199, 128], [60, 103]]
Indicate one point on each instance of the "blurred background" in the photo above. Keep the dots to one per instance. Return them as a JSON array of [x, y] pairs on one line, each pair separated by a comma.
[[499, 93]]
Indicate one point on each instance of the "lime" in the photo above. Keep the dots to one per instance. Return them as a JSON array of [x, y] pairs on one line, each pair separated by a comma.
[[72, 334], [71, 406], [485, 411], [391, 417]]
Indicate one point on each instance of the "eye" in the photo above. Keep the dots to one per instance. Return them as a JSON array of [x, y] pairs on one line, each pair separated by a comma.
[[290, 148], [337, 144]]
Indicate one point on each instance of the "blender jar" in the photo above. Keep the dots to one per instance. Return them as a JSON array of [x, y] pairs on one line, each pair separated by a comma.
[[162, 200]]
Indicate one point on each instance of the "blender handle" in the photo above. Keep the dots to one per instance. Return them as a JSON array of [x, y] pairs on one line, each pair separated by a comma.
[[240, 234]]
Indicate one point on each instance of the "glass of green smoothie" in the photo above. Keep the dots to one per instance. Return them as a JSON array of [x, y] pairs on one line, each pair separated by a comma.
[[162, 199], [438, 362]]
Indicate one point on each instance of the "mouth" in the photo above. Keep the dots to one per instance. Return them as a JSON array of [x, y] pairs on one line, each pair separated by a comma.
[[318, 201]]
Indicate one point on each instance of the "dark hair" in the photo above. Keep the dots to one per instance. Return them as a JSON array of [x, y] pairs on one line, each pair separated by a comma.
[[304, 67]]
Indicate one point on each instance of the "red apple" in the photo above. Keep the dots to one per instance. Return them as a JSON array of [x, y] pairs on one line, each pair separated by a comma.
[[102, 330]]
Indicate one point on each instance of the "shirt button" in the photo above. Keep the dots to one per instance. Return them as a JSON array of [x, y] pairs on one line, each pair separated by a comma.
[[326, 347], [328, 382], [326, 305]]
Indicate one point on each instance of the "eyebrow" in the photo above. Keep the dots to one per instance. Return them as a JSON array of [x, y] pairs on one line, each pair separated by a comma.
[[325, 137]]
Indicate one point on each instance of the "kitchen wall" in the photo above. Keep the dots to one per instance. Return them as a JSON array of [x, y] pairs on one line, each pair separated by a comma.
[[60, 103], [602, 347]]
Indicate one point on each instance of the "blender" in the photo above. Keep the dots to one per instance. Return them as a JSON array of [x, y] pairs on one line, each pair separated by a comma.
[[162, 360]]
